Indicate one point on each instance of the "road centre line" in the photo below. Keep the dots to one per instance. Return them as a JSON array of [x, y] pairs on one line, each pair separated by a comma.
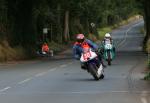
[[43, 73], [2, 90], [70, 63], [37, 75], [24, 81], [52, 69], [126, 34], [62, 66], [40, 74]]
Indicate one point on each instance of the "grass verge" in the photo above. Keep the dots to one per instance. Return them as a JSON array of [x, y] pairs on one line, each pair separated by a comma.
[[104, 30], [7, 53]]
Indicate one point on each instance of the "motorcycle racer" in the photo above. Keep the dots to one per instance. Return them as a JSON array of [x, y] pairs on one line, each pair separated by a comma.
[[80, 44]]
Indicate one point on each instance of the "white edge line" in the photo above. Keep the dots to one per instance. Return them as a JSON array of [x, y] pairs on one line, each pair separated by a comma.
[[26, 80], [2, 90]]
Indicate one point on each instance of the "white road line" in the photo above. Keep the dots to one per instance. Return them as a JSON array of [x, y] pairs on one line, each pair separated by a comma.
[[126, 34], [62, 66], [2, 90], [52, 69], [40, 74], [70, 63], [24, 81], [144, 100]]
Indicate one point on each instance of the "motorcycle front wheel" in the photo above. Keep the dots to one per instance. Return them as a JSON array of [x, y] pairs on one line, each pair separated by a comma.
[[93, 70], [109, 57]]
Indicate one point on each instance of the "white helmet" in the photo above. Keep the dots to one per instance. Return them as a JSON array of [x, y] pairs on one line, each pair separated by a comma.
[[107, 35]]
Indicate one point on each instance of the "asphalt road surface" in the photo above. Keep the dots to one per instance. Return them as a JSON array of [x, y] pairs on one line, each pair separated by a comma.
[[60, 79]]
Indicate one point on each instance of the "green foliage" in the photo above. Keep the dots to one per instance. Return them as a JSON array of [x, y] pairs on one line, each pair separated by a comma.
[[7, 53], [103, 31], [55, 46], [3, 18], [28, 18], [22, 21], [147, 77], [148, 46]]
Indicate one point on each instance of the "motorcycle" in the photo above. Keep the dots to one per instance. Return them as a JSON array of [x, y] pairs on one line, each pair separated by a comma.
[[45, 54], [92, 64], [109, 53]]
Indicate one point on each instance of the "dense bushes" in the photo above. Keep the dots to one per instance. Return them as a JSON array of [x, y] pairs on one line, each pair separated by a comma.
[[22, 21], [8, 53]]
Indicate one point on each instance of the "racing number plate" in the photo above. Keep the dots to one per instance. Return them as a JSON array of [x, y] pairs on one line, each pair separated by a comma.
[[86, 55]]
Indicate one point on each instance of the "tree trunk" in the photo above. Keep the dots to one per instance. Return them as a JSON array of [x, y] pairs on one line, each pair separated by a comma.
[[66, 29], [147, 21], [59, 32]]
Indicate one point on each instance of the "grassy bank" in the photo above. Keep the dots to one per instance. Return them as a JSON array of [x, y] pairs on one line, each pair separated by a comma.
[[148, 51], [147, 76], [7, 53], [102, 31]]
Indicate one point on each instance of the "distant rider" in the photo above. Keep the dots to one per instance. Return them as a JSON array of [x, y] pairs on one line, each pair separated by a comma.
[[46, 50], [108, 40]]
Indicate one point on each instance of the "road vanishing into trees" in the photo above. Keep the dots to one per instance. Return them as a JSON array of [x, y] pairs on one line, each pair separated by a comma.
[[60, 79]]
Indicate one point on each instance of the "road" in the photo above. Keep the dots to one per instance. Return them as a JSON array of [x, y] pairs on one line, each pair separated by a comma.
[[62, 81]]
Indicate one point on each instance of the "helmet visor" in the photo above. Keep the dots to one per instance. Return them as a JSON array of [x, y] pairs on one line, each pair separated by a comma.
[[80, 40]]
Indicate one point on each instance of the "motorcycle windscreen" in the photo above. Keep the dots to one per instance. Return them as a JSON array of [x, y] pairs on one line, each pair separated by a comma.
[[88, 56]]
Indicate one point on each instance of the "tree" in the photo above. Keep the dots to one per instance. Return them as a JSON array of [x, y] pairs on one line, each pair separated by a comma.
[[147, 21], [3, 19], [24, 20]]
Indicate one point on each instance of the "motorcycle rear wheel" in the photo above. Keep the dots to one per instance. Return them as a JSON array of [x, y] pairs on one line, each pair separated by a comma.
[[109, 57], [102, 76]]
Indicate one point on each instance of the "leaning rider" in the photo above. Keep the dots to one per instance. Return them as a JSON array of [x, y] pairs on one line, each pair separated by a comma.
[[81, 41]]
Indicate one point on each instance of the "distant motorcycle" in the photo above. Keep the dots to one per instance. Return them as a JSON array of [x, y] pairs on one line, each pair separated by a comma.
[[109, 53], [45, 54], [90, 59]]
